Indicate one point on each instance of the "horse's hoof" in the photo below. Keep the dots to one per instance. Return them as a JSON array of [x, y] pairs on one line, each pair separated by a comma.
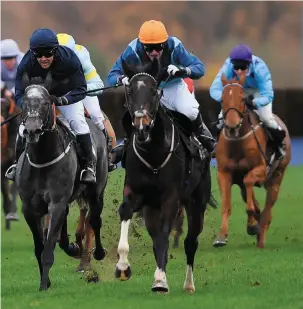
[[73, 250], [189, 289], [253, 230], [220, 242], [45, 287], [99, 256], [123, 275], [82, 267], [160, 286]]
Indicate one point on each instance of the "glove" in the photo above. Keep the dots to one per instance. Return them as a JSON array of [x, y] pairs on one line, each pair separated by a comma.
[[59, 101], [249, 102], [124, 80], [178, 71]]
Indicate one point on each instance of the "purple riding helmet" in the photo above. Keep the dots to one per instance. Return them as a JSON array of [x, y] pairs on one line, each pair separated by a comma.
[[241, 52]]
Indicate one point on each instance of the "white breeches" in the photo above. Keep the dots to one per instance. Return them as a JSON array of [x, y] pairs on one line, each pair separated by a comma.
[[178, 98], [74, 114], [94, 110]]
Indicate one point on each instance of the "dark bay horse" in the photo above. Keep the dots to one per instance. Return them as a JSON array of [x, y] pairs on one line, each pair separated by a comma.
[[161, 175], [8, 141], [245, 157], [48, 179]]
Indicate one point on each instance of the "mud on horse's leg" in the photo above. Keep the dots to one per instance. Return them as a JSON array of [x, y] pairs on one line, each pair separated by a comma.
[[123, 270], [224, 180]]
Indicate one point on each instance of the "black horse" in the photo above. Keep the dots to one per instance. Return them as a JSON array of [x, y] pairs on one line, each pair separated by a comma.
[[162, 173], [48, 179]]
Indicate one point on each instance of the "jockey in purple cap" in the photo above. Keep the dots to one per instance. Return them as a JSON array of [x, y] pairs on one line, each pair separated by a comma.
[[258, 89]]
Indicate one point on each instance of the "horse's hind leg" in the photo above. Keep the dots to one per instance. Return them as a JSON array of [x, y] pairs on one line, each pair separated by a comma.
[[6, 203], [224, 180], [178, 226], [272, 188], [35, 225], [96, 207], [57, 217], [252, 217]]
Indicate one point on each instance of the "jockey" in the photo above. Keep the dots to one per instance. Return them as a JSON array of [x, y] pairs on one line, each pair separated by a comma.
[[258, 89], [45, 55], [153, 43], [93, 80], [11, 56]]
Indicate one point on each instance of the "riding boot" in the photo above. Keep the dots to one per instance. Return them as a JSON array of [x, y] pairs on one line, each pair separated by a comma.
[[119, 152], [203, 134], [19, 148], [111, 165], [278, 136], [88, 173]]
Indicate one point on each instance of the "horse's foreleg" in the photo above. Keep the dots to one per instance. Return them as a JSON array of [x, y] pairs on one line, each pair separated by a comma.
[[272, 188], [34, 224], [123, 270], [257, 174], [224, 180], [80, 230], [57, 213]]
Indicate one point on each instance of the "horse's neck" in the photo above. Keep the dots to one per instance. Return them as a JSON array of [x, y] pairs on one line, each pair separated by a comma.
[[250, 119], [50, 145]]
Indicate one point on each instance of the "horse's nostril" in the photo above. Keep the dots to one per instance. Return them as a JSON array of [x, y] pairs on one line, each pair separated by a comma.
[[38, 131]]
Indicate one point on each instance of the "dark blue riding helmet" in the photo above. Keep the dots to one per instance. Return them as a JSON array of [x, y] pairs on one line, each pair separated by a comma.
[[241, 52], [43, 38]]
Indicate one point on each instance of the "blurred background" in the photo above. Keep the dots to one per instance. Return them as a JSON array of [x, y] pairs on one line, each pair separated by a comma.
[[274, 30]]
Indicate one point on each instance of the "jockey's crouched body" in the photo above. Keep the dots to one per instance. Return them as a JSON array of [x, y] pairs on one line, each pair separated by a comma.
[[94, 82], [153, 43], [46, 55], [258, 89]]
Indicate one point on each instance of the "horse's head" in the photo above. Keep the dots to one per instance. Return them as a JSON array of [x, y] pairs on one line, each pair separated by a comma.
[[37, 112], [233, 105], [142, 98]]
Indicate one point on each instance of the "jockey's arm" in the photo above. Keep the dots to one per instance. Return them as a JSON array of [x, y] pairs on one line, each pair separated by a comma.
[[216, 88], [77, 80], [116, 71], [264, 82], [19, 86], [92, 78], [182, 57]]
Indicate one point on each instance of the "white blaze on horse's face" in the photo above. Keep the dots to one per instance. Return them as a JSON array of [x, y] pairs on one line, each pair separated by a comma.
[[140, 84]]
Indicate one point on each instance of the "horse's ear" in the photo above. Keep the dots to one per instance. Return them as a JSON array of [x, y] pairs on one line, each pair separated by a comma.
[[25, 80], [128, 70], [242, 79], [224, 80]]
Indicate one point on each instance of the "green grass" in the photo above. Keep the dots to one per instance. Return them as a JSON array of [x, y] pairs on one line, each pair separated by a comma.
[[239, 276]]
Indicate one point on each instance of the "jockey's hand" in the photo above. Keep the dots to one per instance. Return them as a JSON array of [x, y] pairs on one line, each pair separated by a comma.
[[124, 80], [178, 71], [8, 93], [59, 101], [249, 102]]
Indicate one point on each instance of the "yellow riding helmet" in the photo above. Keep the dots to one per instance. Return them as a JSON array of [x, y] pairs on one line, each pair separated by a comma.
[[66, 40], [153, 32]]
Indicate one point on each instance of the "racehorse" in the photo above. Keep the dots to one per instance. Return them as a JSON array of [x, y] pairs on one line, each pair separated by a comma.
[[8, 141], [162, 173], [48, 178], [245, 155]]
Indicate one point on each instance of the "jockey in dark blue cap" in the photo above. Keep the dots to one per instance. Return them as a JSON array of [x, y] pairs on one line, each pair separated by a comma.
[[46, 55]]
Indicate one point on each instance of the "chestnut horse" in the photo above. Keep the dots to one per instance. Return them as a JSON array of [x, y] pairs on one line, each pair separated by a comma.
[[245, 157]]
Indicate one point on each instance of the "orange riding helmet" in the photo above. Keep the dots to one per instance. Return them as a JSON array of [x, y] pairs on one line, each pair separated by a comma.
[[153, 32]]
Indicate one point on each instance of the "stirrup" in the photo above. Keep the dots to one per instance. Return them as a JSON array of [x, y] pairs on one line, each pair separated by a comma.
[[88, 170], [9, 170]]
